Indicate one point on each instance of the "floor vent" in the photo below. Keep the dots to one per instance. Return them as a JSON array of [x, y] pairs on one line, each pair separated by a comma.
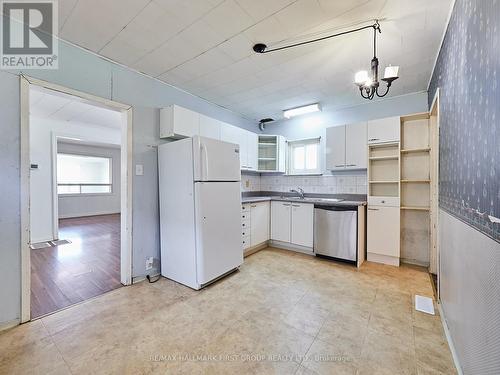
[[59, 242], [424, 304], [40, 245], [44, 245]]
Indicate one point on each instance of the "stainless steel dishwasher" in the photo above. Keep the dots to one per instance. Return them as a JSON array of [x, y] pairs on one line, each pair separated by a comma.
[[335, 232]]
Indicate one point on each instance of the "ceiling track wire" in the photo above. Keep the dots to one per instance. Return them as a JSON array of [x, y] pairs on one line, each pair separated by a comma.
[[262, 48]]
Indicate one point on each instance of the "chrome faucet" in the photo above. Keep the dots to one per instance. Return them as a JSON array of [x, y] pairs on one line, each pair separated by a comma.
[[299, 191]]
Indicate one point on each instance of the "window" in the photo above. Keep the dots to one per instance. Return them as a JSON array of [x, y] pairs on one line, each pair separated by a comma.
[[304, 157], [81, 174]]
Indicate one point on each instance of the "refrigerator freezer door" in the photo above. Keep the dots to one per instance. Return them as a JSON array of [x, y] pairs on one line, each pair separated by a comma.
[[335, 233], [215, 160], [219, 247]]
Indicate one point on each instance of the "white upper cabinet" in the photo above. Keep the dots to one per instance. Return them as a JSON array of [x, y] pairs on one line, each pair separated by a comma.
[[356, 149], [209, 127], [346, 147], [247, 142], [252, 151], [335, 147], [178, 122], [384, 130], [272, 153]]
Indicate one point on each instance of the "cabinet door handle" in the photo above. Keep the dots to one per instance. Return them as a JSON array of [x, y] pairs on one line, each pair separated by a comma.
[[373, 209], [340, 165], [296, 205], [253, 206], [286, 204], [373, 139], [351, 165]]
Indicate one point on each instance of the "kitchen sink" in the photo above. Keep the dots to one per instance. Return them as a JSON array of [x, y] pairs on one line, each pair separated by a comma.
[[311, 199]]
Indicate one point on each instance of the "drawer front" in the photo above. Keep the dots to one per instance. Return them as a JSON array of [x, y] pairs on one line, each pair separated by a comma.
[[383, 201], [246, 242], [245, 224]]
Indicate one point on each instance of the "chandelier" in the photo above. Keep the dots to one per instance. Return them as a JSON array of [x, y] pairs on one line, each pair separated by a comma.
[[368, 86]]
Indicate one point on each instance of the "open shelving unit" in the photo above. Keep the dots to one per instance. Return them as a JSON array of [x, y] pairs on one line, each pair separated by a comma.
[[384, 169], [268, 153], [416, 183]]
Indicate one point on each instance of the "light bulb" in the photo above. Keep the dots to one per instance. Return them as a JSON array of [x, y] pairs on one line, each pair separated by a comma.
[[391, 72], [361, 77]]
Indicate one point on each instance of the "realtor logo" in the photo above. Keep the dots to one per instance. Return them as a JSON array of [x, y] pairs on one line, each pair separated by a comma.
[[29, 39]]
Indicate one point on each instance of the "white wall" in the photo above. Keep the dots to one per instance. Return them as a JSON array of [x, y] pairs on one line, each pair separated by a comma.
[[41, 148], [470, 293], [95, 204]]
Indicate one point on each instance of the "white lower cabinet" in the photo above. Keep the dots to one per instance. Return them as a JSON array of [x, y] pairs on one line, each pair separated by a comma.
[[280, 221], [383, 234], [302, 224], [292, 222], [259, 223], [255, 223]]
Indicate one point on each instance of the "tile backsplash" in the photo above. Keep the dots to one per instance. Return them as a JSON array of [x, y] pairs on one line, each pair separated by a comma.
[[346, 183]]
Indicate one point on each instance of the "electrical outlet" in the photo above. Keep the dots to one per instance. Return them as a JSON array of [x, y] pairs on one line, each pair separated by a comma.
[[247, 183], [149, 263]]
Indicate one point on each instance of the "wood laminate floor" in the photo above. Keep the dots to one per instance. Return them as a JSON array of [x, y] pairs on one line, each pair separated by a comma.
[[87, 267]]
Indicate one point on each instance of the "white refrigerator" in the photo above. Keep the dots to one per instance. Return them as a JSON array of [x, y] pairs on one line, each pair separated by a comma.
[[200, 210]]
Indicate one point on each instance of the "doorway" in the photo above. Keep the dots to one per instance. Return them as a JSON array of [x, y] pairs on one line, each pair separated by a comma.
[[76, 194]]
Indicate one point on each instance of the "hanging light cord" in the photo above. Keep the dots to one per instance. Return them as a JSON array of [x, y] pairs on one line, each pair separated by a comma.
[[262, 48]]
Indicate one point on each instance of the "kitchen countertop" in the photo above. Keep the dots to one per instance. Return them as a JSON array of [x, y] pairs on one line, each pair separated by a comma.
[[312, 200]]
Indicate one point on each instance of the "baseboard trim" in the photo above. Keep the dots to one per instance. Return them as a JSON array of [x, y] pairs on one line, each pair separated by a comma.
[[138, 279], [384, 259], [414, 262], [88, 214], [254, 249], [10, 324], [292, 247], [450, 340]]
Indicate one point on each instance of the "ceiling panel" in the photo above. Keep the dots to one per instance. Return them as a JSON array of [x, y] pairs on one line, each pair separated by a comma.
[[93, 23], [204, 46], [58, 106], [260, 9]]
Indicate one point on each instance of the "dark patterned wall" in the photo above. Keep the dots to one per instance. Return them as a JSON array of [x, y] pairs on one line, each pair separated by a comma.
[[467, 74]]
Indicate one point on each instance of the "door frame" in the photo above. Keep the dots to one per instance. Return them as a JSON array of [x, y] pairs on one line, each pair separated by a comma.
[[125, 185], [434, 112]]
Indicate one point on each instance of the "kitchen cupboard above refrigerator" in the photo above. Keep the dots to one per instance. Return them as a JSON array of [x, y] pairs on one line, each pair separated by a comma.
[[177, 122]]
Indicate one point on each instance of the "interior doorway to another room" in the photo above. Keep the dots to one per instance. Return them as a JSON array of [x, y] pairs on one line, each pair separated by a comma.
[[78, 235]]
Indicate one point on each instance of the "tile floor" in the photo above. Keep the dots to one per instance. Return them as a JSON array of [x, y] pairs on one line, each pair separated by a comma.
[[282, 313]]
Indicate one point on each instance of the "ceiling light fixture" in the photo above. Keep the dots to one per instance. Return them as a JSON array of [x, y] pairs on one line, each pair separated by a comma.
[[368, 86], [289, 113]]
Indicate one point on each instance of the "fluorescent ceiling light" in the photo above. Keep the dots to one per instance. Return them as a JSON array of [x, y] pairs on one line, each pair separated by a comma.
[[69, 138], [301, 110]]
